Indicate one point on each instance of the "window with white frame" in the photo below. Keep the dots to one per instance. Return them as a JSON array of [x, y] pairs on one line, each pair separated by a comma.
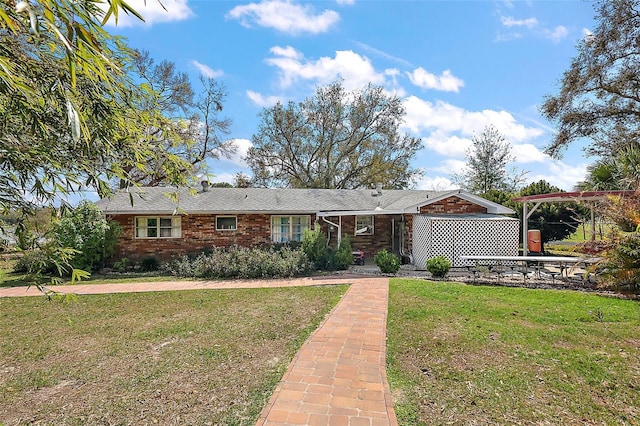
[[158, 227], [226, 223], [364, 225], [285, 229]]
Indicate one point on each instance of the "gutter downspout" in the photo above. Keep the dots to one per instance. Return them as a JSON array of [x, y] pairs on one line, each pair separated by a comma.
[[403, 242], [339, 227]]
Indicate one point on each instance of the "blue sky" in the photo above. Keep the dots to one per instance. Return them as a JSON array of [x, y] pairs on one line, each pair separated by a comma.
[[458, 65]]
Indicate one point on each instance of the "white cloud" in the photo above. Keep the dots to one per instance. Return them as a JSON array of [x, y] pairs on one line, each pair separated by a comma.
[[510, 22], [446, 81], [152, 12], [242, 147], [222, 177], [286, 52], [448, 130], [207, 71], [263, 101], [284, 16], [346, 2], [562, 175], [528, 153], [557, 34], [518, 28], [377, 52], [448, 145], [435, 183], [357, 71], [443, 119], [450, 166]]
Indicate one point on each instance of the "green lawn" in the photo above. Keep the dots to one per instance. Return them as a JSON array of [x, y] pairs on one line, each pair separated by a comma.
[[460, 354], [185, 357]]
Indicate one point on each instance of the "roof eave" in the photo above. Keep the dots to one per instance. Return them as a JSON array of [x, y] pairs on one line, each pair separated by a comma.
[[493, 208], [204, 212], [360, 213]]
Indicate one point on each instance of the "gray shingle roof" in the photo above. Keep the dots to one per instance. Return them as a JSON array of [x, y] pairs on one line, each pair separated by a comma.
[[162, 200]]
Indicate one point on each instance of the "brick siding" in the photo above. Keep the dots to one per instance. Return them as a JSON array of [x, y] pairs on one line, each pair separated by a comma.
[[199, 232], [452, 205]]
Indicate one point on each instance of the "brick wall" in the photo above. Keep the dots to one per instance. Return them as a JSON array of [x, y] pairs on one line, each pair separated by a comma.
[[370, 244], [198, 233], [452, 205]]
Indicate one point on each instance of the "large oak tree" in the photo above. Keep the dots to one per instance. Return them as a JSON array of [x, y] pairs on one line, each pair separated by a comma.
[[186, 122], [599, 96], [334, 139]]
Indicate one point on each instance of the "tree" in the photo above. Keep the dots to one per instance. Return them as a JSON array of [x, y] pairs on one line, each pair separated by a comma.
[[487, 165], [67, 115], [27, 228], [555, 221], [335, 139], [184, 123], [619, 171], [599, 96], [242, 180]]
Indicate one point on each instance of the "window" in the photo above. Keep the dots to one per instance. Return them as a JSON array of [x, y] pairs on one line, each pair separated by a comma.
[[288, 228], [364, 225], [226, 223], [158, 227]]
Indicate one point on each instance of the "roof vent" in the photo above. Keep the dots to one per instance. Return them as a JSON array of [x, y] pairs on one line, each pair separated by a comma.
[[205, 185]]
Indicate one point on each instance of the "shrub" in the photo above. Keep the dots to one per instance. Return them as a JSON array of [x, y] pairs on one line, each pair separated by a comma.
[[314, 245], [149, 264], [241, 262], [343, 257], [34, 262], [4, 244], [438, 266], [85, 230], [388, 263], [51, 262], [621, 266], [122, 265], [180, 266]]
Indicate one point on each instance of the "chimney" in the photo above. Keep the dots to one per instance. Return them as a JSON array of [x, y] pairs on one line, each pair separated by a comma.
[[205, 185], [378, 191]]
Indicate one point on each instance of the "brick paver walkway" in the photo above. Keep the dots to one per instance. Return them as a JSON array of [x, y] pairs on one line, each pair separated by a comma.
[[338, 376], [174, 285]]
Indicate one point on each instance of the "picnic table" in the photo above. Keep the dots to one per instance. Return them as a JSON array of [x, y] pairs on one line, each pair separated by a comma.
[[526, 265]]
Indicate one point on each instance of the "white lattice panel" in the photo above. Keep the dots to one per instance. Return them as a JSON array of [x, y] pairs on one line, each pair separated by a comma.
[[468, 235], [421, 247]]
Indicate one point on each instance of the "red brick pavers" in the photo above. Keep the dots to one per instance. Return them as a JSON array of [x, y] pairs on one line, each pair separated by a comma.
[[338, 376], [173, 285]]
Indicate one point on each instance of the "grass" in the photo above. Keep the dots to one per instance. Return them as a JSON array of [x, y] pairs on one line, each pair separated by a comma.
[[187, 357], [583, 232], [460, 354], [8, 278]]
